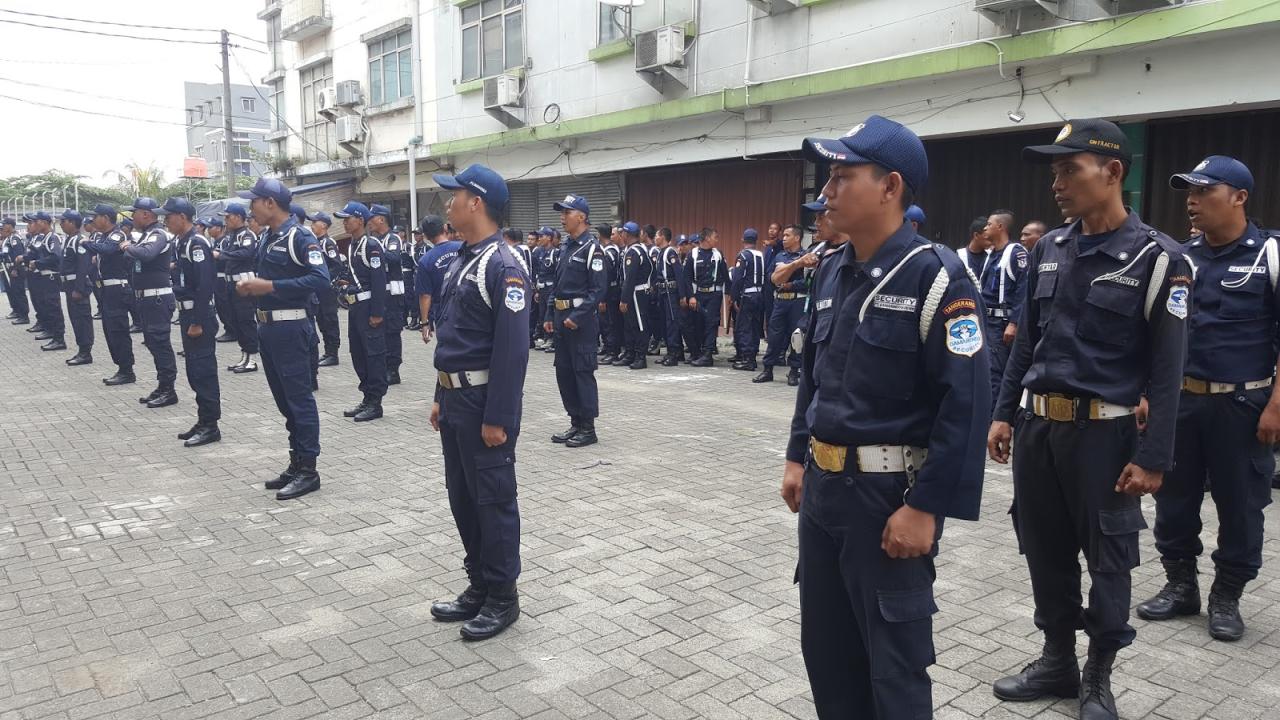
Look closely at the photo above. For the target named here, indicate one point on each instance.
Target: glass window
(277, 105)
(247, 104)
(608, 25)
(274, 46)
(317, 131)
(492, 38)
(390, 68)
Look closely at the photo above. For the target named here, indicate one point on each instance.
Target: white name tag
(1123, 280)
(897, 303)
(1048, 267)
(823, 304)
(1246, 269)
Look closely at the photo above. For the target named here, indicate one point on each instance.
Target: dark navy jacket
(290, 257)
(798, 282)
(365, 258)
(196, 270)
(1095, 327)
(484, 325)
(77, 263)
(332, 258)
(613, 269)
(582, 273)
(750, 272)
(636, 271)
(112, 263)
(668, 270)
(872, 377)
(393, 256)
(1235, 309)
(241, 253)
(151, 256)
(706, 269)
(1003, 280)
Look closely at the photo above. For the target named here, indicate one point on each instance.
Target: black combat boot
(1096, 700)
(1179, 596)
(305, 480)
(285, 477)
(1225, 622)
(371, 411)
(364, 401)
(166, 397)
(765, 376)
(793, 377)
(640, 362)
(123, 376)
(567, 434)
(194, 429)
(466, 606)
(586, 434)
(328, 360)
(1055, 673)
(498, 613)
(703, 360)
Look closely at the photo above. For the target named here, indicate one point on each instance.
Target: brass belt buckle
(830, 458)
(1061, 409)
(445, 381)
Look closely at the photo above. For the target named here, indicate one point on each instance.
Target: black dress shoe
(585, 436)
(120, 378)
(567, 434)
(244, 357)
(194, 429)
(640, 363)
(703, 361)
(164, 399)
(466, 606)
(305, 480)
(21, 321)
(285, 477)
(608, 359)
(44, 335)
(393, 377)
(748, 365)
(372, 411)
(247, 366)
(793, 377)
(356, 410)
(328, 361)
(80, 358)
(1055, 673)
(54, 344)
(149, 398)
(205, 435)
(766, 375)
(737, 357)
(499, 612)
(623, 361)
(1225, 623)
(37, 328)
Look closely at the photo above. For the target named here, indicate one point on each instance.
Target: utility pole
(226, 117)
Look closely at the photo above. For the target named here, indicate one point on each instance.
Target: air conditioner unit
(660, 48)
(327, 102)
(350, 129)
(502, 91)
(348, 93)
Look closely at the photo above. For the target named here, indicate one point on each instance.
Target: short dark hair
(1040, 224)
(513, 235)
(604, 230)
(1006, 217)
(799, 230)
(978, 225)
(664, 232)
(497, 215)
(908, 198)
(707, 231)
(651, 231)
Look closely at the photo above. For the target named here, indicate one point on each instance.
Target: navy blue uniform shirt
(484, 325)
(1235, 309)
(750, 272)
(151, 255)
(77, 263)
(1003, 280)
(706, 269)
(581, 273)
(112, 263)
(195, 271)
(368, 272)
(637, 268)
(797, 283)
(290, 257)
(1108, 323)
(240, 251)
(879, 371)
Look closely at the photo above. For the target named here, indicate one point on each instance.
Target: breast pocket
(822, 326)
(1107, 316)
(1046, 286)
(883, 360)
(1244, 302)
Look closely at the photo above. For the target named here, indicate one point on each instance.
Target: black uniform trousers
(746, 328)
(202, 362)
(481, 483)
(368, 347)
(17, 291)
(576, 364)
(116, 300)
(80, 314)
(243, 311)
(611, 327)
(46, 295)
(286, 350)
(998, 351)
(394, 324)
(639, 324)
(691, 329)
(709, 324)
(669, 305)
(866, 620)
(156, 316)
(224, 304)
(327, 321)
(1217, 439)
(787, 316)
(658, 316)
(1065, 504)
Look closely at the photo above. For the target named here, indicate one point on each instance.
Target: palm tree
(142, 182)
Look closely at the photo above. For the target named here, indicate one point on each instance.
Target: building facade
(206, 132)
(689, 113)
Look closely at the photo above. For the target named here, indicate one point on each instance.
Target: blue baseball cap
(146, 203)
(631, 227)
(878, 140)
(573, 202)
(546, 231)
(214, 221)
(684, 240)
(1215, 170)
(269, 188)
(480, 180)
(1091, 135)
(127, 222)
(40, 215)
(750, 235)
(383, 210)
(915, 214)
(321, 216)
(297, 212)
(8, 221)
(178, 205)
(105, 209)
(71, 215)
(353, 209)
(695, 238)
(819, 205)
(431, 225)
(235, 209)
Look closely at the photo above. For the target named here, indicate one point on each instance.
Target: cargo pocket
(1107, 316)
(495, 476)
(1116, 546)
(903, 643)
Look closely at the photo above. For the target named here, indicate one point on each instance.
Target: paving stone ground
(139, 579)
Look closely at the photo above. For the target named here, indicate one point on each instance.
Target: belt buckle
(446, 381)
(1060, 409)
(1196, 386)
(830, 458)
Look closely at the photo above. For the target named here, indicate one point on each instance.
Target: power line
(89, 112)
(106, 34)
(132, 101)
(95, 63)
(271, 107)
(120, 24)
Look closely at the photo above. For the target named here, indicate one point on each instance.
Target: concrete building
(689, 112)
(206, 134)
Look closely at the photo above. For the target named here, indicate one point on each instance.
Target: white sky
(34, 139)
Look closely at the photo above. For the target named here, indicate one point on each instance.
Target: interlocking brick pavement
(139, 579)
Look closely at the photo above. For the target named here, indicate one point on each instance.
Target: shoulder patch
(1177, 303)
(514, 299)
(956, 306)
(333, 253)
(314, 257)
(964, 335)
(197, 255)
(375, 261)
(80, 249)
(1022, 260)
(597, 264)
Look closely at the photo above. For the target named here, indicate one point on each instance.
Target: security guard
(198, 319)
(11, 247)
(290, 269)
(1002, 292)
(668, 274)
(482, 353)
(887, 435)
(549, 271)
(153, 296)
(977, 254)
(43, 257)
(429, 277)
(706, 272)
(224, 293)
(75, 270)
(241, 256)
(364, 291)
(634, 299)
(654, 241)
(915, 215)
(417, 249)
(611, 321)
(541, 281)
(747, 295)
(1229, 415)
(1104, 324)
(582, 281)
(327, 319)
(394, 258)
(117, 297)
(313, 309)
(790, 297)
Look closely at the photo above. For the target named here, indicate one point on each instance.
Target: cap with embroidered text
(71, 215)
(380, 211)
(178, 205)
(480, 181)
(105, 209)
(269, 188)
(146, 203)
(1091, 135)
(235, 209)
(40, 215)
(878, 140)
(353, 209)
(631, 228)
(1215, 170)
(573, 202)
(320, 216)
(214, 221)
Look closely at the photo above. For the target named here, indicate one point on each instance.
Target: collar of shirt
(284, 228)
(1251, 232)
(470, 251)
(886, 257)
(1126, 240)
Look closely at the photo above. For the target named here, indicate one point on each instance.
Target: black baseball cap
(1092, 135)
